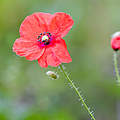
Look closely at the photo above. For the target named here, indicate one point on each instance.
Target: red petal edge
(61, 52)
(60, 24)
(28, 49)
(35, 24)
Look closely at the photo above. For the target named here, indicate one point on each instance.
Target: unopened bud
(52, 74)
(115, 41)
(116, 34)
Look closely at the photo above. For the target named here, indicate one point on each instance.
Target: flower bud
(52, 74)
(115, 42)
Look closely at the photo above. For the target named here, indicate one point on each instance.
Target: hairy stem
(77, 92)
(116, 68)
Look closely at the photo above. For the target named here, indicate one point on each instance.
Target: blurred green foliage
(26, 93)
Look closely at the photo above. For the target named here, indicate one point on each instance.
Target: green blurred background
(26, 93)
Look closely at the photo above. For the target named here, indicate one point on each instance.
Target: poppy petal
(28, 49)
(60, 24)
(48, 58)
(42, 61)
(52, 60)
(34, 24)
(61, 52)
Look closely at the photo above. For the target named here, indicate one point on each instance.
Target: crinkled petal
(49, 58)
(28, 49)
(60, 24)
(61, 52)
(42, 61)
(52, 60)
(35, 24)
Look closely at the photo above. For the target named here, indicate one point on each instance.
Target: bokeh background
(26, 92)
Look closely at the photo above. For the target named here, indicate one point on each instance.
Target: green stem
(116, 68)
(78, 93)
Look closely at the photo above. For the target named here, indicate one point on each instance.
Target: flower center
(44, 38)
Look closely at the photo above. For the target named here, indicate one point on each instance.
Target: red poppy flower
(41, 38)
(115, 42)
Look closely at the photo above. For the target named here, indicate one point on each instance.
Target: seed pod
(52, 74)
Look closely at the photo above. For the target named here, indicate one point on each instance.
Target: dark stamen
(46, 43)
(43, 40)
(39, 37)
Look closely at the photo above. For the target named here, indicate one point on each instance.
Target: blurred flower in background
(115, 42)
